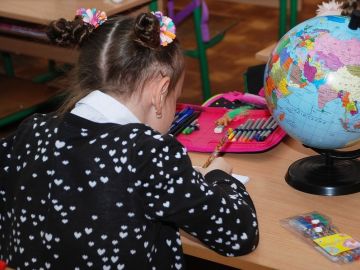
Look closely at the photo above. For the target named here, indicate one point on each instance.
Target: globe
(312, 89)
(312, 82)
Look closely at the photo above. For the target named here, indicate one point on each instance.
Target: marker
(232, 134)
(257, 124)
(240, 130)
(180, 113)
(245, 130)
(250, 131)
(180, 118)
(190, 128)
(268, 132)
(264, 128)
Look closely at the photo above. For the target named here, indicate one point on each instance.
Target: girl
(99, 184)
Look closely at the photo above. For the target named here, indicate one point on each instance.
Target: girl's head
(121, 57)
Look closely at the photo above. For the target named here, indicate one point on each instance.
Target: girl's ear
(159, 95)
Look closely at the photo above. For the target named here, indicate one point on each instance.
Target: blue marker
(181, 117)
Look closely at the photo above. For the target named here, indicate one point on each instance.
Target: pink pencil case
(205, 139)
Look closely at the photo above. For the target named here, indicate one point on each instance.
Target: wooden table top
(45, 11)
(275, 200)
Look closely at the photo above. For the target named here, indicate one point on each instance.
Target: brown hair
(119, 56)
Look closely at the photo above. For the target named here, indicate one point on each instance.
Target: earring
(158, 115)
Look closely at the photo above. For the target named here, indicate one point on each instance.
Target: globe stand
(330, 173)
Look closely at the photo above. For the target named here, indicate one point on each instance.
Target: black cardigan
(76, 194)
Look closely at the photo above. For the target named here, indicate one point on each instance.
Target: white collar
(102, 108)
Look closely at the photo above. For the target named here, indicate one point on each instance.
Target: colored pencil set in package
(319, 231)
(240, 120)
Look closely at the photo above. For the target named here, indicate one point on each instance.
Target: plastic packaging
(318, 230)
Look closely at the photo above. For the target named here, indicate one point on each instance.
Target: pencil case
(234, 99)
(204, 139)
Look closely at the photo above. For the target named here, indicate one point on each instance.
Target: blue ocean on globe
(312, 83)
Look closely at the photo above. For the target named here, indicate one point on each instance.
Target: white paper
(242, 178)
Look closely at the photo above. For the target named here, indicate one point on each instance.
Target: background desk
(275, 200)
(44, 11)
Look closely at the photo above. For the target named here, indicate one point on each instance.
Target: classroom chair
(204, 37)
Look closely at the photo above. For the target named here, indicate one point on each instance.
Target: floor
(256, 28)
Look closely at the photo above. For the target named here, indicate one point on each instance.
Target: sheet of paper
(242, 178)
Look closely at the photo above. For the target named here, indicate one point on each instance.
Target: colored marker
(190, 128)
(181, 117)
(257, 125)
(240, 129)
(250, 131)
(238, 132)
(264, 128)
(268, 132)
(232, 134)
(246, 129)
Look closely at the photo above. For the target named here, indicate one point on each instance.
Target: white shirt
(102, 108)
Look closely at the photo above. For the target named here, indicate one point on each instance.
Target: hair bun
(68, 33)
(147, 30)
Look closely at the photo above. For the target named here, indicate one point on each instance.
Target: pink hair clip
(167, 28)
(92, 16)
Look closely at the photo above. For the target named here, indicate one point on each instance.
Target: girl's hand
(218, 163)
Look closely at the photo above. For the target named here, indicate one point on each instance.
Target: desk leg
(153, 6)
(9, 68)
(53, 72)
(293, 13)
(201, 50)
(282, 17)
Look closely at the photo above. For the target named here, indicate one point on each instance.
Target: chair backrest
(186, 11)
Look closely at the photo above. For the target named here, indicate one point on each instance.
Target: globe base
(321, 176)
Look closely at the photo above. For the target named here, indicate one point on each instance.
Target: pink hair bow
(167, 28)
(92, 16)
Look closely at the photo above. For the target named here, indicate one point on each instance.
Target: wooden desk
(275, 200)
(44, 11)
(264, 54)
